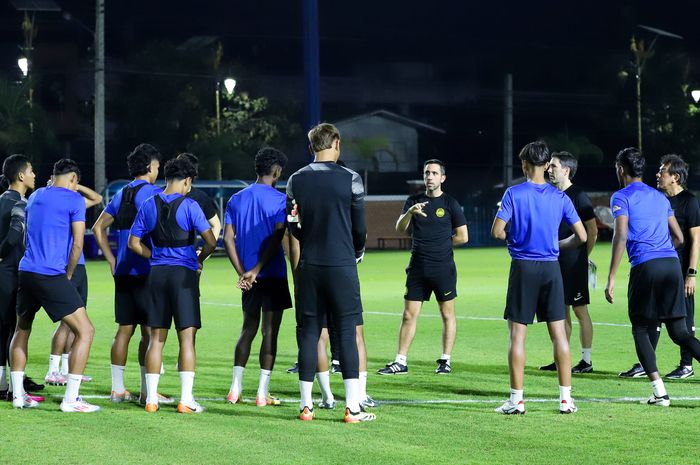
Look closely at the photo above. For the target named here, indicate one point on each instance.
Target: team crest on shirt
(616, 208)
(440, 212)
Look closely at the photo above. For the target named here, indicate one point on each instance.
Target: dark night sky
(564, 55)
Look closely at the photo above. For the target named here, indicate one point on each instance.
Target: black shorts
(8, 296)
(326, 321)
(56, 294)
(131, 299)
(174, 295)
(534, 288)
(268, 295)
(656, 292)
(574, 273)
(422, 281)
(80, 281)
(328, 289)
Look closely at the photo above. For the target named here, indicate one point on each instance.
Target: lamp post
(695, 93)
(641, 55)
(229, 84)
(23, 64)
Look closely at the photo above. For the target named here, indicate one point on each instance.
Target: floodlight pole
(312, 73)
(508, 131)
(100, 168)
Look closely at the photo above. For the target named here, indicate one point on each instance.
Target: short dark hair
(179, 168)
(267, 158)
(435, 161)
(632, 160)
(322, 136)
(65, 166)
(11, 167)
(536, 153)
(140, 158)
(192, 158)
(567, 160)
(676, 167)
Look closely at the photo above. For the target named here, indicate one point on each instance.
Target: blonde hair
(322, 136)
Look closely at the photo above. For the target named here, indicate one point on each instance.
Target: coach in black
(574, 262)
(326, 206)
(436, 224)
(671, 180)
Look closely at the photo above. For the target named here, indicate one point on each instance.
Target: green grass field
(423, 419)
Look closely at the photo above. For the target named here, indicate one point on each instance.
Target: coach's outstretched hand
(610, 290)
(417, 209)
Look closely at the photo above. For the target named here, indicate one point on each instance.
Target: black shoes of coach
(31, 386)
(551, 367)
(294, 369)
(443, 367)
(393, 368)
(582, 367)
(635, 372)
(681, 372)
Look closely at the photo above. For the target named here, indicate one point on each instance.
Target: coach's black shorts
(656, 291)
(80, 281)
(131, 299)
(268, 295)
(328, 289)
(8, 296)
(174, 293)
(56, 294)
(422, 281)
(574, 273)
(534, 288)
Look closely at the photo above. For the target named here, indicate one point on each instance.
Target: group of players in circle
(321, 221)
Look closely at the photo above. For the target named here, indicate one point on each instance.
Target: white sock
(17, 378)
(516, 395)
(72, 388)
(118, 378)
(402, 359)
(658, 387)
(586, 354)
(237, 380)
(305, 388)
(54, 363)
(65, 358)
(152, 380)
(565, 393)
(186, 384)
(445, 357)
(352, 394)
(363, 385)
(143, 379)
(162, 368)
(687, 367)
(324, 383)
(4, 386)
(264, 383)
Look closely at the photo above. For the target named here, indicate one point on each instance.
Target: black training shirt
(205, 202)
(331, 205)
(12, 229)
(432, 235)
(687, 212)
(584, 208)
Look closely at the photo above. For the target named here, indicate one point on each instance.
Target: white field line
(430, 315)
(602, 400)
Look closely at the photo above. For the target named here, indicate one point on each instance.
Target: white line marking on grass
(602, 400)
(459, 317)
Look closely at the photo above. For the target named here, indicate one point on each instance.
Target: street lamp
(23, 64)
(696, 95)
(229, 84)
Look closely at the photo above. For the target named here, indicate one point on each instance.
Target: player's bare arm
(618, 248)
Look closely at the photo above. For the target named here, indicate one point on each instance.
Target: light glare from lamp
(696, 95)
(229, 84)
(23, 64)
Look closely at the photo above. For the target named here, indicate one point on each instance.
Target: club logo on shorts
(440, 212)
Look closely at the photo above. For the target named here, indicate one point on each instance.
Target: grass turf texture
(465, 431)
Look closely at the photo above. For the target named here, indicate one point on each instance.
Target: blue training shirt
(254, 212)
(647, 211)
(535, 212)
(50, 212)
(189, 216)
(128, 262)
